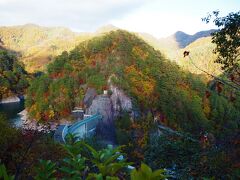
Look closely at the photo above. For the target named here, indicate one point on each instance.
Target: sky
(159, 18)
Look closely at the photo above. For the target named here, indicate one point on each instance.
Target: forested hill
(13, 78)
(201, 53)
(182, 39)
(199, 45)
(141, 72)
(38, 45)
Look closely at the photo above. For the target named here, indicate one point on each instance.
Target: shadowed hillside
(13, 78)
(184, 39)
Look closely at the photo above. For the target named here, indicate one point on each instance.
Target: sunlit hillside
(201, 55)
(37, 45)
(199, 46)
(137, 68)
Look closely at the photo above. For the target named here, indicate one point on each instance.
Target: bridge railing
(64, 133)
(92, 121)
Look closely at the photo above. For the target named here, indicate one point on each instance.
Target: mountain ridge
(181, 39)
(138, 69)
(38, 45)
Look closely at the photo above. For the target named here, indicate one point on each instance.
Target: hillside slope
(37, 45)
(181, 39)
(138, 69)
(13, 78)
(171, 46)
(201, 51)
(201, 54)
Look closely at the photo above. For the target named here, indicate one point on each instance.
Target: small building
(105, 92)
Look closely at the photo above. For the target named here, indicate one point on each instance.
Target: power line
(186, 53)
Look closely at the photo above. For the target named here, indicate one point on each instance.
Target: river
(11, 110)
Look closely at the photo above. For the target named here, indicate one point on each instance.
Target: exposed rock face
(120, 101)
(29, 124)
(108, 106)
(12, 99)
(102, 104)
(89, 96)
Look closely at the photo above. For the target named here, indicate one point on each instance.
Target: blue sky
(157, 17)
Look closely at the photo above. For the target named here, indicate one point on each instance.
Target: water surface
(11, 110)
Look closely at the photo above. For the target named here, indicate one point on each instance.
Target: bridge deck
(89, 125)
(77, 124)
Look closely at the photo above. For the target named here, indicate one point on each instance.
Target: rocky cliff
(102, 104)
(120, 101)
(107, 105)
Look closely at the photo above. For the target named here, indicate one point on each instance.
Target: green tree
(46, 170)
(3, 173)
(7, 135)
(227, 39)
(172, 152)
(145, 172)
(84, 162)
(13, 77)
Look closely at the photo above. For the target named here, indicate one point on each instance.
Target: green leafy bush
(84, 162)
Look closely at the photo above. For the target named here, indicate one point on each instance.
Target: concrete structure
(81, 128)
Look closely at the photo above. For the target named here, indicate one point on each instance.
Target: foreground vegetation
(20, 153)
(183, 155)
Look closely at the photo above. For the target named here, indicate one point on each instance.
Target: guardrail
(82, 127)
(77, 124)
(64, 133)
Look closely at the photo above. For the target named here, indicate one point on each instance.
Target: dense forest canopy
(38, 45)
(227, 40)
(13, 78)
(141, 72)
